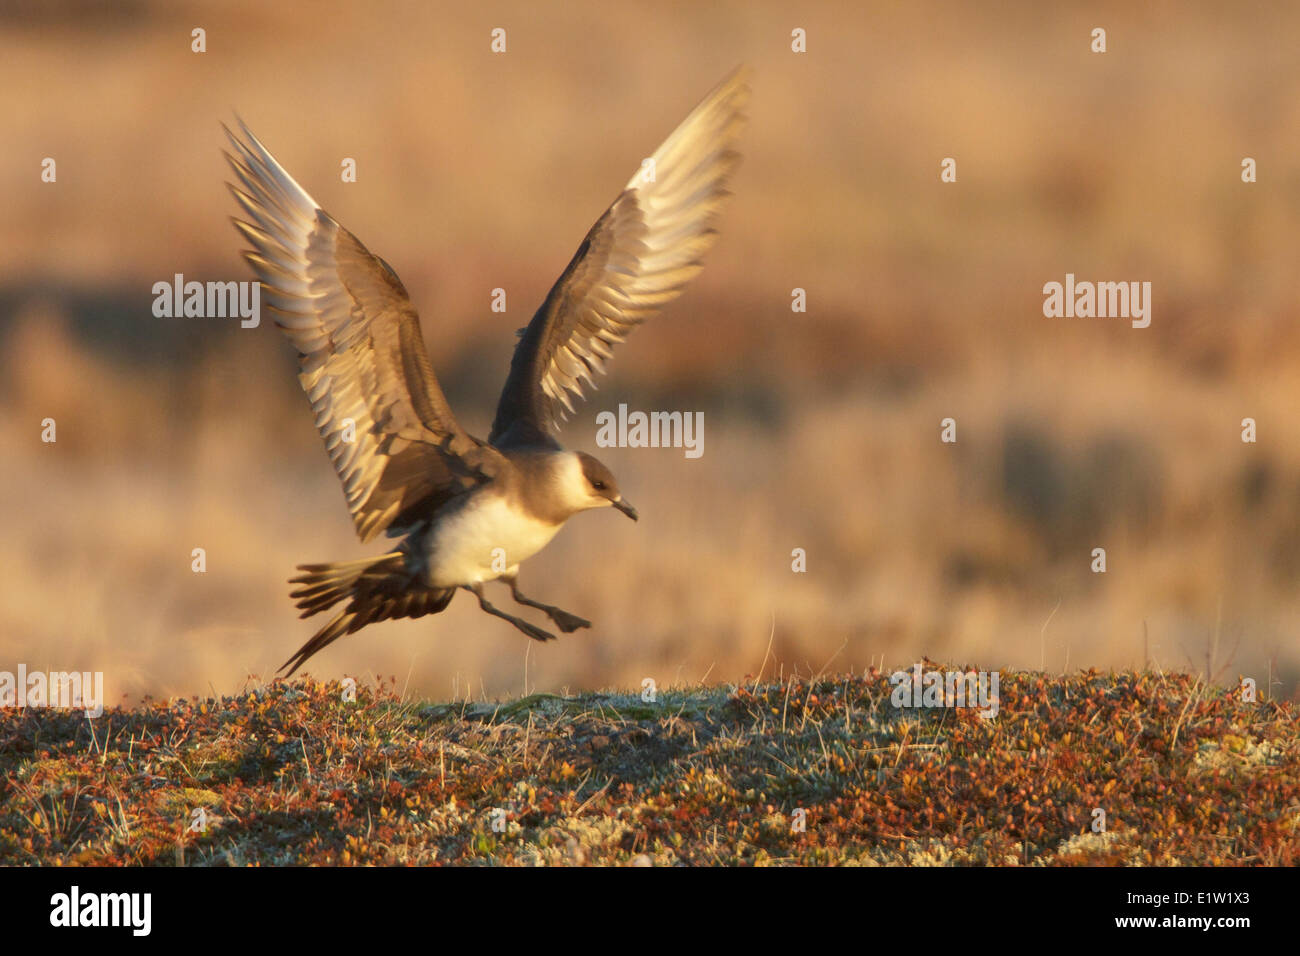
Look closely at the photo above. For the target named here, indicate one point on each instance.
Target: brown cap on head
(602, 483)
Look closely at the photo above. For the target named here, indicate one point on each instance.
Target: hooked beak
(626, 508)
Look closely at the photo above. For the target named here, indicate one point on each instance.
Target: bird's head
(597, 487)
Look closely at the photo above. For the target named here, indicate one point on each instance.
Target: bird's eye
(598, 484)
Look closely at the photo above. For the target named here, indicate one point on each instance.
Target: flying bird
(468, 511)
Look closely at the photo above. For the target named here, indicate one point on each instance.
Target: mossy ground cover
(296, 773)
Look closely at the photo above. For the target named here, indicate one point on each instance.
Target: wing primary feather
(390, 435)
(639, 256)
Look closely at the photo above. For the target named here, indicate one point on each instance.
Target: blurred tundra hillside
(822, 429)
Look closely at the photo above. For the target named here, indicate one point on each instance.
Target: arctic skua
(468, 511)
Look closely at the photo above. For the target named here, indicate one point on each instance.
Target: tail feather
(331, 632)
(324, 585)
(376, 589)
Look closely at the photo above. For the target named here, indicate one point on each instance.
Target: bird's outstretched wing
(638, 256)
(393, 440)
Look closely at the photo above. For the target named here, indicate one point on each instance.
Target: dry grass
(297, 774)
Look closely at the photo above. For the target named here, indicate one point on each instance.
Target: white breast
(482, 540)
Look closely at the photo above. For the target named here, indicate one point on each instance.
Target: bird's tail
(376, 589)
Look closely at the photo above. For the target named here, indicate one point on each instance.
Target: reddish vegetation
(294, 773)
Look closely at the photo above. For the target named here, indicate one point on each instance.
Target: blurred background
(822, 429)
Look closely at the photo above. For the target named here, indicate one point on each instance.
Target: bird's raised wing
(638, 256)
(392, 437)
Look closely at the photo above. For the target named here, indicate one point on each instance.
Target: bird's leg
(563, 619)
(536, 633)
